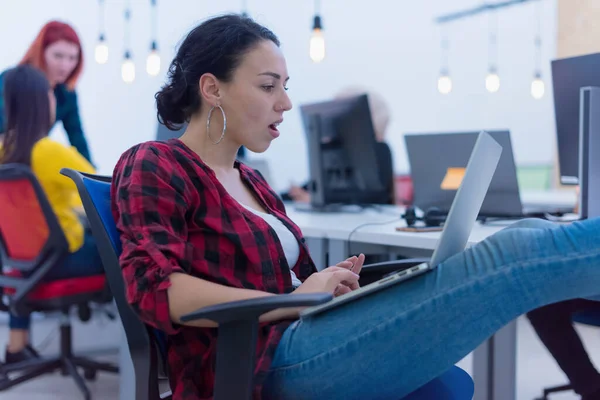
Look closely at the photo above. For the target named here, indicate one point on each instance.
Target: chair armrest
(392, 266)
(245, 310)
(22, 286)
(238, 333)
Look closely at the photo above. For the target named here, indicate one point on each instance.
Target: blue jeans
(84, 262)
(388, 344)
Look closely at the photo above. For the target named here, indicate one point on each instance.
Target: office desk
(373, 228)
(376, 225)
(332, 237)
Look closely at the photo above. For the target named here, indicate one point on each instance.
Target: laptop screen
(437, 172)
(469, 198)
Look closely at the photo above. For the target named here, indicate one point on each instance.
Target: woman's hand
(337, 280)
(299, 195)
(354, 264)
(328, 281)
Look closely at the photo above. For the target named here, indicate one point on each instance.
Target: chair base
(555, 389)
(67, 365)
(66, 362)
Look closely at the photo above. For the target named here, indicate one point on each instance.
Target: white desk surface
(340, 226)
(383, 221)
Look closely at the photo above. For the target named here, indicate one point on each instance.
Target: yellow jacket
(47, 159)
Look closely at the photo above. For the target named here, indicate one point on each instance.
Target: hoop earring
(208, 124)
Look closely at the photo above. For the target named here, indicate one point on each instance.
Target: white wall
(391, 46)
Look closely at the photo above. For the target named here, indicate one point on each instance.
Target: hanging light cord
(127, 27)
(444, 56)
(538, 38)
(101, 18)
(493, 45)
(154, 24)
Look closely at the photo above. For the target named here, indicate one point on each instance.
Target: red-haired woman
(57, 52)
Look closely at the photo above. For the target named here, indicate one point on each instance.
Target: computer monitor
(342, 155)
(569, 75)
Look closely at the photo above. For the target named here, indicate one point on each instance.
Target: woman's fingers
(358, 263)
(346, 278)
(341, 289)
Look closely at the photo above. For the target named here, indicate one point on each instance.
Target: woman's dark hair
(216, 46)
(27, 108)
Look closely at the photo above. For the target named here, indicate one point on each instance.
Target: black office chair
(591, 318)
(238, 321)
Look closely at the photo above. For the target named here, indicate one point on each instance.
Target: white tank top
(288, 241)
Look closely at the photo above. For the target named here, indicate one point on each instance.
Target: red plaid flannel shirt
(174, 216)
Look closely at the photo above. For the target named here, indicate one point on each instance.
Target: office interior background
(396, 48)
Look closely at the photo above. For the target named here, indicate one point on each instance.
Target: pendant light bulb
(492, 81)
(538, 88)
(128, 69)
(444, 83)
(153, 61)
(317, 41)
(101, 51)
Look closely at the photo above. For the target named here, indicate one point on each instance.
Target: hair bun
(171, 105)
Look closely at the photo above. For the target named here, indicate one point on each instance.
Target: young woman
(199, 228)
(57, 52)
(29, 109)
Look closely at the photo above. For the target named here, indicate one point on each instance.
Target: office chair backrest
(29, 229)
(95, 195)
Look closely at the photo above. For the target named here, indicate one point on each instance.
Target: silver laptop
(431, 162)
(457, 228)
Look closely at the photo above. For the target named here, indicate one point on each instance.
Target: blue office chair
(591, 318)
(238, 321)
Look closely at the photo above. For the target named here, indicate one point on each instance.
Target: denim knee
(16, 322)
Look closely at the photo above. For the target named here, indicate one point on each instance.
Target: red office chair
(31, 243)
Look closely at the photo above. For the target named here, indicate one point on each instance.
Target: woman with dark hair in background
(199, 228)
(29, 109)
(56, 51)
